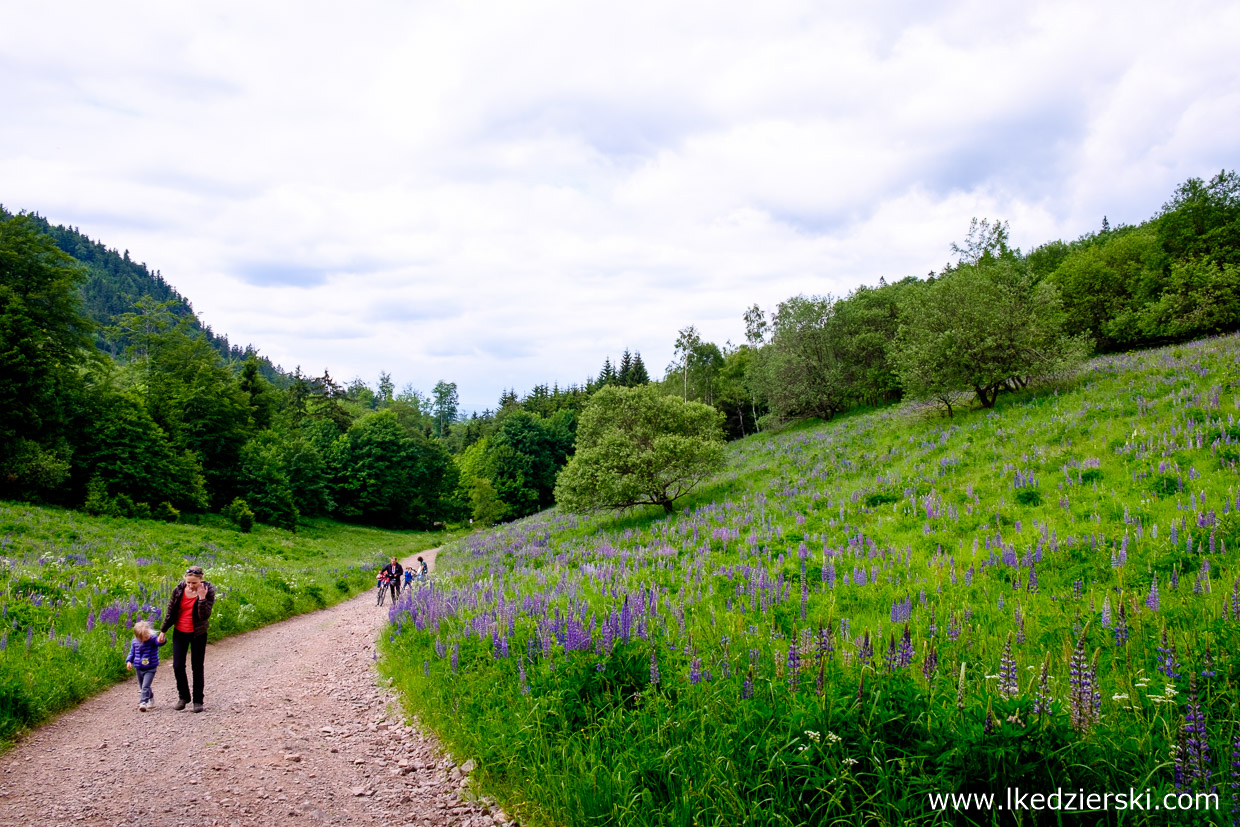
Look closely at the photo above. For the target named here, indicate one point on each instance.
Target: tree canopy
(637, 446)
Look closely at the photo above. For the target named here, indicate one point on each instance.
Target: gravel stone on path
(297, 730)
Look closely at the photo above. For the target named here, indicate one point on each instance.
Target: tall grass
(855, 616)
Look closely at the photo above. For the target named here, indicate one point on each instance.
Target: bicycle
(382, 589)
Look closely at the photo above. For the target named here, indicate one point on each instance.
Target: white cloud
(503, 194)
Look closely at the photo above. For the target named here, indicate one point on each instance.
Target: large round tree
(636, 446)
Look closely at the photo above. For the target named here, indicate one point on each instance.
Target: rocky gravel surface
(297, 730)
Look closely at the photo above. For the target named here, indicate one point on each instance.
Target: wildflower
(747, 686)
(1083, 705)
(905, 655)
(865, 651)
(1151, 600)
(794, 665)
(1106, 612)
(1121, 626)
(960, 689)
(1167, 662)
(1007, 671)
(1192, 759)
(695, 669)
(654, 667)
(1207, 663)
(931, 664)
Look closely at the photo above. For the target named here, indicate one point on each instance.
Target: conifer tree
(607, 376)
(638, 374)
(625, 374)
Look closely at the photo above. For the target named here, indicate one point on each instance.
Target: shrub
(239, 514)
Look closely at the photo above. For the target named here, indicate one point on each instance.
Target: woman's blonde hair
(143, 630)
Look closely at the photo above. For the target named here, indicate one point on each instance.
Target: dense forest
(116, 399)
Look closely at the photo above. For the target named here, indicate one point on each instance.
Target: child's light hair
(143, 630)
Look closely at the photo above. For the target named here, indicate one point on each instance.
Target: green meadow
(861, 615)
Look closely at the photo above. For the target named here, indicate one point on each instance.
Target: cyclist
(382, 583)
(394, 571)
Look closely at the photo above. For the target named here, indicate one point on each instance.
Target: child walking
(144, 659)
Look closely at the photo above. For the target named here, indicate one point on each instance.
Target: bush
(239, 514)
(1029, 496)
(164, 511)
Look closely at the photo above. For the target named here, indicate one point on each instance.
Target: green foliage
(635, 447)
(487, 508)
(239, 514)
(803, 370)
(43, 340)
(985, 328)
(389, 476)
(1029, 496)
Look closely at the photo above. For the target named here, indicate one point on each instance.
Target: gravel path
(296, 731)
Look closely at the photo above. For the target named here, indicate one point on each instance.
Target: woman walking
(189, 611)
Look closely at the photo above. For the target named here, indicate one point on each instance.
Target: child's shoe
(143, 706)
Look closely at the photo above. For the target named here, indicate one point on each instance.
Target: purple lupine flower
(695, 669)
(889, 659)
(747, 686)
(1106, 612)
(931, 664)
(654, 667)
(1151, 600)
(953, 627)
(794, 664)
(1042, 701)
(1032, 588)
(456, 656)
(1007, 671)
(1082, 702)
(1192, 759)
(1167, 661)
(1121, 625)
(1020, 625)
(905, 656)
(865, 651)
(1207, 663)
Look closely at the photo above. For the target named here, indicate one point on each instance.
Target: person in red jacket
(189, 613)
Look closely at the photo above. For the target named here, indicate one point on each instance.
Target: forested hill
(113, 285)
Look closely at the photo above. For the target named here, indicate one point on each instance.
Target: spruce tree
(607, 376)
(638, 374)
(625, 375)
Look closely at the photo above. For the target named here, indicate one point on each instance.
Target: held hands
(162, 639)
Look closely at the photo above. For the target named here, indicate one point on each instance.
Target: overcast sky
(502, 194)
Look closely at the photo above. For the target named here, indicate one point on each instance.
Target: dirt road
(296, 731)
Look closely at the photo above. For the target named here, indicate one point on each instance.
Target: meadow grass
(71, 587)
(856, 615)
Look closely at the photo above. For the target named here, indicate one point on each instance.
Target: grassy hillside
(71, 587)
(859, 615)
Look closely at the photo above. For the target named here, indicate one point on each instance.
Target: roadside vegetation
(72, 585)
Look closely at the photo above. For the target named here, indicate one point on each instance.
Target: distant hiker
(143, 659)
(394, 570)
(423, 571)
(189, 611)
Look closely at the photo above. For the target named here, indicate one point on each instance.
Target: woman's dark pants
(197, 646)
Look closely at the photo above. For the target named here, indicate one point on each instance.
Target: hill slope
(859, 615)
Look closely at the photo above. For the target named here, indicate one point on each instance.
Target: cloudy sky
(501, 194)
